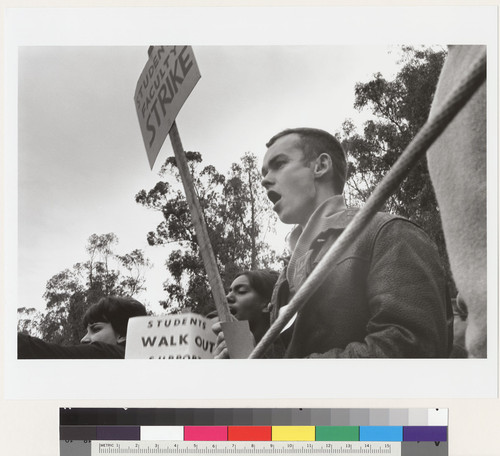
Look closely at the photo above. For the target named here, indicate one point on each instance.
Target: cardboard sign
(239, 339)
(164, 85)
(181, 336)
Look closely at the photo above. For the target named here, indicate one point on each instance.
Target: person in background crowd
(385, 297)
(248, 299)
(106, 325)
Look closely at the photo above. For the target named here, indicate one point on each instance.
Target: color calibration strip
(258, 433)
(407, 432)
(252, 417)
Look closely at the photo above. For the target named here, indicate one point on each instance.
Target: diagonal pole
(200, 227)
(199, 224)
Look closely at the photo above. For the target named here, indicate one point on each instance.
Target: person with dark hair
(248, 299)
(386, 296)
(106, 325)
(107, 320)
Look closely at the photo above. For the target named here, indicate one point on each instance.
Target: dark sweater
(33, 348)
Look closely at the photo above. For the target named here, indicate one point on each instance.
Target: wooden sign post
(164, 85)
(200, 227)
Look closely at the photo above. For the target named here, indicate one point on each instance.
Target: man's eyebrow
(272, 162)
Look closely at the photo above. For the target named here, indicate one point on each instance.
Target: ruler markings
(277, 448)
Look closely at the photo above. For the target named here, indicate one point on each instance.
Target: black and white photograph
(271, 201)
(93, 214)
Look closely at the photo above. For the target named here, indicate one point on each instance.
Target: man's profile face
(289, 180)
(100, 332)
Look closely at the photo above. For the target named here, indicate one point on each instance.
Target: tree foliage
(399, 107)
(71, 292)
(237, 214)
(28, 319)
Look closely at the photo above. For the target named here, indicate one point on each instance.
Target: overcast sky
(82, 158)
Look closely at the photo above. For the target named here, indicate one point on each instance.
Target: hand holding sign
(220, 351)
(234, 340)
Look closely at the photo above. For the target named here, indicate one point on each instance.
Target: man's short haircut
(115, 310)
(315, 142)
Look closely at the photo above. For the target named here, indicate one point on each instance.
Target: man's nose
(266, 181)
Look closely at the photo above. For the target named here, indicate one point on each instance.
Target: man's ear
(121, 339)
(322, 165)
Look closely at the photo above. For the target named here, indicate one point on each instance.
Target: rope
(431, 130)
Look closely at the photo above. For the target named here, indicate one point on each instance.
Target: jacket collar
(332, 214)
(329, 215)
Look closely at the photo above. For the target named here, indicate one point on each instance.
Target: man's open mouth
(273, 196)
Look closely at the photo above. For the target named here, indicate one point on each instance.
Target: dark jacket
(385, 297)
(33, 348)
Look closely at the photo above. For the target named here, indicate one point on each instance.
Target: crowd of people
(385, 297)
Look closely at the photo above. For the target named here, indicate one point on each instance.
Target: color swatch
(364, 425)
(405, 427)
(252, 417)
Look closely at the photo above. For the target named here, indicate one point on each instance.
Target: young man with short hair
(106, 323)
(387, 294)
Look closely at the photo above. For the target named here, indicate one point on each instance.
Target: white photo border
(263, 379)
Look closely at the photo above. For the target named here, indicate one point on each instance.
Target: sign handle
(200, 227)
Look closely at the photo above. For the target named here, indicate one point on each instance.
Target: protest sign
(158, 98)
(164, 85)
(180, 336)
